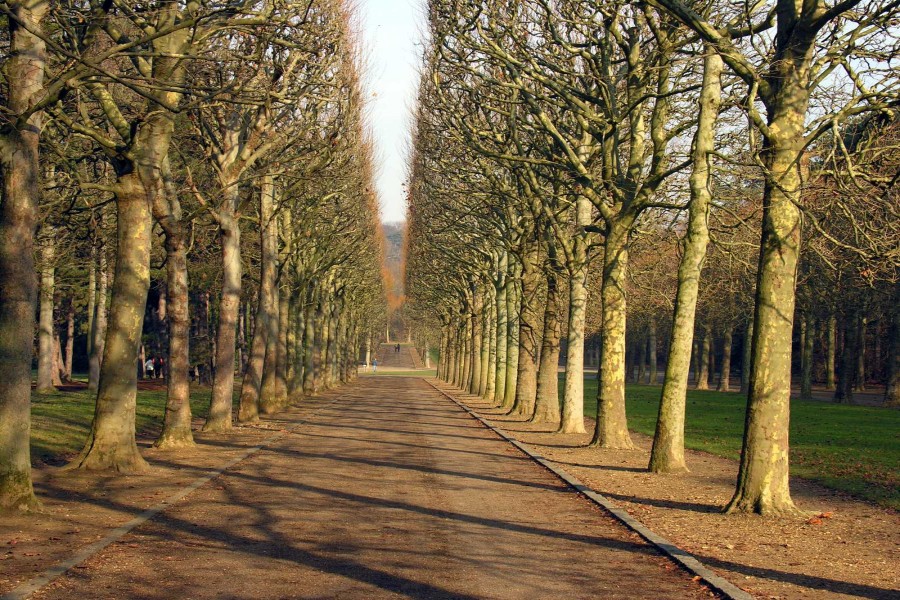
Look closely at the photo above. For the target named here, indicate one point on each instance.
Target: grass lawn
(850, 448)
(61, 420)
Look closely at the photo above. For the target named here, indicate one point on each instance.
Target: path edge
(38, 582)
(682, 557)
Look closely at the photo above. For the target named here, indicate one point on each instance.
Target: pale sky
(392, 48)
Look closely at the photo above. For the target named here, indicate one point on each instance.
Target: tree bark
(20, 189)
(847, 366)
(705, 349)
(174, 313)
(45, 324)
(746, 358)
(529, 335)
(176, 432)
(111, 443)
(513, 311)
(220, 407)
(502, 329)
(762, 485)
(546, 406)
(653, 354)
(806, 356)
(861, 324)
(667, 454)
(98, 329)
(892, 390)
(725, 378)
(831, 352)
(612, 423)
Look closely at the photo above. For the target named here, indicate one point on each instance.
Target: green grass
(61, 420)
(854, 449)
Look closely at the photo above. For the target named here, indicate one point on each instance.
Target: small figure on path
(374, 364)
(148, 367)
(397, 348)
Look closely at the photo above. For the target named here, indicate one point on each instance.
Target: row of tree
(573, 149)
(195, 123)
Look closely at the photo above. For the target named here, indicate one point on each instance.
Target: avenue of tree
(657, 182)
(185, 181)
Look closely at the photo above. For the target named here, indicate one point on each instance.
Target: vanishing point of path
(392, 491)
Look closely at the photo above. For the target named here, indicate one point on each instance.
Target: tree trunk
(831, 352)
(705, 349)
(653, 355)
(667, 454)
(220, 407)
(725, 378)
(847, 366)
(20, 181)
(491, 332)
(70, 340)
(58, 367)
(477, 334)
(263, 394)
(861, 351)
(45, 324)
(502, 330)
(111, 443)
(612, 424)
(641, 359)
(892, 390)
(174, 313)
(513, 311)
(98, 330)
(309, 345)
(806, 356)
(746, 358)
(572, 418)
(176, 432)
(546, 406)
(762, 485)
(529, 335)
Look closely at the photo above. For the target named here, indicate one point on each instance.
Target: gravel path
(392, 491)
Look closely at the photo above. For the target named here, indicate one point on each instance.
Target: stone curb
(684, 558)
(36, 583)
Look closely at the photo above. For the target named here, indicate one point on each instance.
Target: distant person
(148, 367)
(374, 364)
(397, 348)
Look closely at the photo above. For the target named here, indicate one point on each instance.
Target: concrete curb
(683, 558)
(36, 583)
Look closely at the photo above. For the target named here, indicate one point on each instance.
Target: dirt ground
(386, 490)
(847, 549)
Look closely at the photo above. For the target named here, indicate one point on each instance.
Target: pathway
(392, 491)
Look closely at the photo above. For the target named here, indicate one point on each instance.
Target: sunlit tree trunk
(572, 418)
(546, 406)
(667, 454)
(513, 311)
(111, 443)
(502, 330)
(529, 335)
(176, 432)
(612, 424)
(20, 181)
